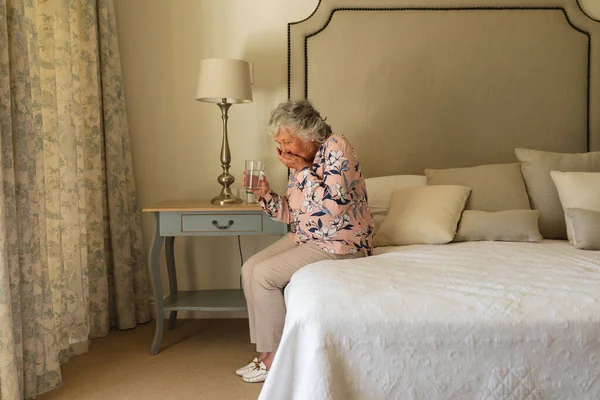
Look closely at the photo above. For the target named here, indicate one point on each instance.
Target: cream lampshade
(225, 82)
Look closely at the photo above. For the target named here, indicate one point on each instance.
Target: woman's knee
(247, 270)
(248, 267)
(267, 275)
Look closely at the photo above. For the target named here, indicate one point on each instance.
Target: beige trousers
(265, 275)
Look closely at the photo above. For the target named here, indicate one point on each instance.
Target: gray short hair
(301, 117)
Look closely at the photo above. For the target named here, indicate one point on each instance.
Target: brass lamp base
(221, 200)
(226, 196)
(225, 179)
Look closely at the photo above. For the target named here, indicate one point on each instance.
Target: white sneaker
(257, 374)
(248, 367)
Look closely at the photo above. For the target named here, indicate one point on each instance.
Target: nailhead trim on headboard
(524, 8)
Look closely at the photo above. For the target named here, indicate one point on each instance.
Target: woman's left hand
(292, 161)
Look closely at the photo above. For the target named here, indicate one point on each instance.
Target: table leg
(170, 253)
(157, 242)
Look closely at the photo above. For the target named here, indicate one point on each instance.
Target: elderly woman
(326, 205)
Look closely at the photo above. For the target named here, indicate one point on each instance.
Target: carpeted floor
(197, 362)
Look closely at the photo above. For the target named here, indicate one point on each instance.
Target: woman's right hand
(263, 186)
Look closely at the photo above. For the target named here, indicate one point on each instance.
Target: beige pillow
(577, 190)
(423, 215)
(495, 187)
(536, 166)
(380, 190)
(586, 228)
(507, 226)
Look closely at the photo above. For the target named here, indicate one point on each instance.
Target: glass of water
(255, 170)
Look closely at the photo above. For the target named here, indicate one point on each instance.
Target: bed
(447, 84)
(420, 322)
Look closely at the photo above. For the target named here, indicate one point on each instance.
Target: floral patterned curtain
(71, 252)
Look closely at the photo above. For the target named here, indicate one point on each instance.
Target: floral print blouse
(326, 204)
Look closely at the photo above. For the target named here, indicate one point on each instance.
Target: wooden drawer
(221, 223)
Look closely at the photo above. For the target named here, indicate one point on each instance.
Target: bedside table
(200, 218)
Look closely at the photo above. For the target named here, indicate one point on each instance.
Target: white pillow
(423, 215)
(586, 228)
(577, 190)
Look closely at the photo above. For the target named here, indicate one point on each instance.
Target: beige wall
(176, 140)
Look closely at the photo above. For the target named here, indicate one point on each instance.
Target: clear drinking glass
(255, 169)
(242, 193)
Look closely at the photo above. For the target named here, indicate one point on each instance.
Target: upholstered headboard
(449, 83)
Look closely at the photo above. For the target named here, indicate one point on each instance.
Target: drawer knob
(216, 224)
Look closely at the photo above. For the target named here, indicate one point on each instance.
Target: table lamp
(225, 82)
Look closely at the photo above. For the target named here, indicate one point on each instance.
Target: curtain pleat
(71, 251)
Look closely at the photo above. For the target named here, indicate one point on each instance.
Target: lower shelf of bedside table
(206, 300)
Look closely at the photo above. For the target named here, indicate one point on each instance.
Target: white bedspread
(485, 320)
